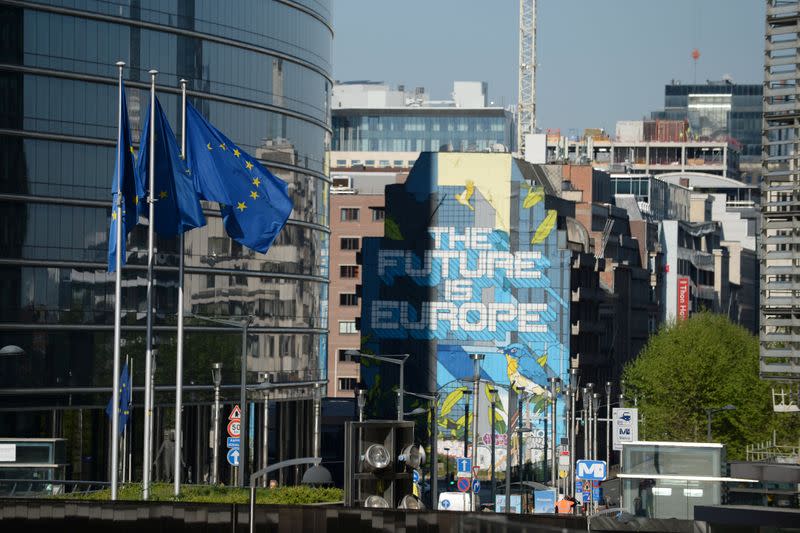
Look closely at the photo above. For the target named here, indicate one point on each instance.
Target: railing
(28, 488)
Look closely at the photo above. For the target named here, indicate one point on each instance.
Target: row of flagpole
(255, 206)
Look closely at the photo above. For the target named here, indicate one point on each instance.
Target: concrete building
(780, 208)
(357, 211)
(58, 92)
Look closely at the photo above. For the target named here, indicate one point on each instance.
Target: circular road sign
(476, 486)
(234, 428)
(463, 484)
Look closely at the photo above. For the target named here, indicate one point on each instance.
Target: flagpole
(124, 443)
(129, 423)
(179, 357)
(117, 302)
(148, 388)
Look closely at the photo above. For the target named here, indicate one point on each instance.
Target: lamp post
(596, 407)
(554, 382)
(433, 399)
(476, 376)
(467, 393)
(710, 415)
(216, 377)
(447, 463)
(361, 400)
(608, 424)
(244, 324)
(395, 359)
(587, 413)
(494, 396)
(574, 378)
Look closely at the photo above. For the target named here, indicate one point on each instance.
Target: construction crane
(526, 98)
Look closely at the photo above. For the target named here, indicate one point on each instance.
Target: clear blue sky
(598, 61)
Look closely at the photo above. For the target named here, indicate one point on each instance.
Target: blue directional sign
(233, 442)
(233, 457)
(445, 504)
(464, 464)
(590, 470)
(463, 484)
(415, 476)
(476, 486)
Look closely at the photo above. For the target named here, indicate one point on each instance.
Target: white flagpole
(124, 442)
(117, 303)
(148, 389)
(129, 459)
(179, 355)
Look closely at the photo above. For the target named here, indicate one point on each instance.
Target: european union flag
(131, 187)
(254, 203)
(124, 399)
(177, 207)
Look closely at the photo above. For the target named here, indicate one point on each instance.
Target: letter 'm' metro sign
(590, 470)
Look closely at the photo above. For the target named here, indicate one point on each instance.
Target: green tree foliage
(704, 362)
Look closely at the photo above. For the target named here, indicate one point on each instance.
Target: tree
(703, 362)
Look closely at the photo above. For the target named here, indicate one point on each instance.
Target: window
(347, 383)
(369, 163)
(348, 271)
(347, 327)
(378, 214)
(398, 163)
(341, 354)
(341, 162)
(348, 299)
(349, 243)
(349, 214)
(384, 163)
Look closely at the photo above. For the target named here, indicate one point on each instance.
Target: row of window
(381, 163)
(353, 214)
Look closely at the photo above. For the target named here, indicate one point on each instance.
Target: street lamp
(476, 376)
(433, 400)
(12, 350)
(467, 393)
(554, 384)
(495, 397)
(216, 377)
(710, 414)
(395, 359)
(361, 400)
(244, 324)
(608, 424)
(574, 379)
(596, 407)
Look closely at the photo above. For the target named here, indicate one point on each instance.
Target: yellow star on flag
(223, 146)
(248, 164)
(209, 147)
(136, 200)
(162, 194)
(236, 152)
(131, 147)
(256, 182)
(241, 206)
(113, 215)
(188, 171)
(253, 195)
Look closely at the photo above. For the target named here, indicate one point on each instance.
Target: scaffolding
(770, 451)
(526, 106)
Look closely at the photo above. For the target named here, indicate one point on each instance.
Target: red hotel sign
(683, 298)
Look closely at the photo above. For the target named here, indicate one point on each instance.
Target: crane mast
(526, 98)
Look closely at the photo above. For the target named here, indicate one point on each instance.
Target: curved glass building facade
(257, 69)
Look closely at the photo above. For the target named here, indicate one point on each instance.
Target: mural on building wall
(470, 264)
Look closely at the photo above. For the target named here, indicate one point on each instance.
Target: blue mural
(469, 263)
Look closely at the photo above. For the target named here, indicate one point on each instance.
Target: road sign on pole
(626, 426)
(234, 428)
(464, 466)
(236, 413)
(476, 486)
(463, 484)
(591, 470)
(233, 457)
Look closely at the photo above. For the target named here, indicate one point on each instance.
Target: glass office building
(260, 71)
(418, 129)
(718, 111)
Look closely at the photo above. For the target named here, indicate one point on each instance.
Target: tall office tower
(780, 231)
(261, 72)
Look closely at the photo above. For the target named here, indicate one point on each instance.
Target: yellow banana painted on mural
(545, 227)
(534, 196)
(465, 196)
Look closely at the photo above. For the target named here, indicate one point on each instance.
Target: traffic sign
(463, 484)
(476, 486)
(475, 470)
(415, 476)
(233, 457)
(464, 466)
(415, 489)
(562, 474)
(445, 504)
(591, 470)
(234, 428)
(236, 413)
(563, 459)
(233, 442)
(626, 426)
